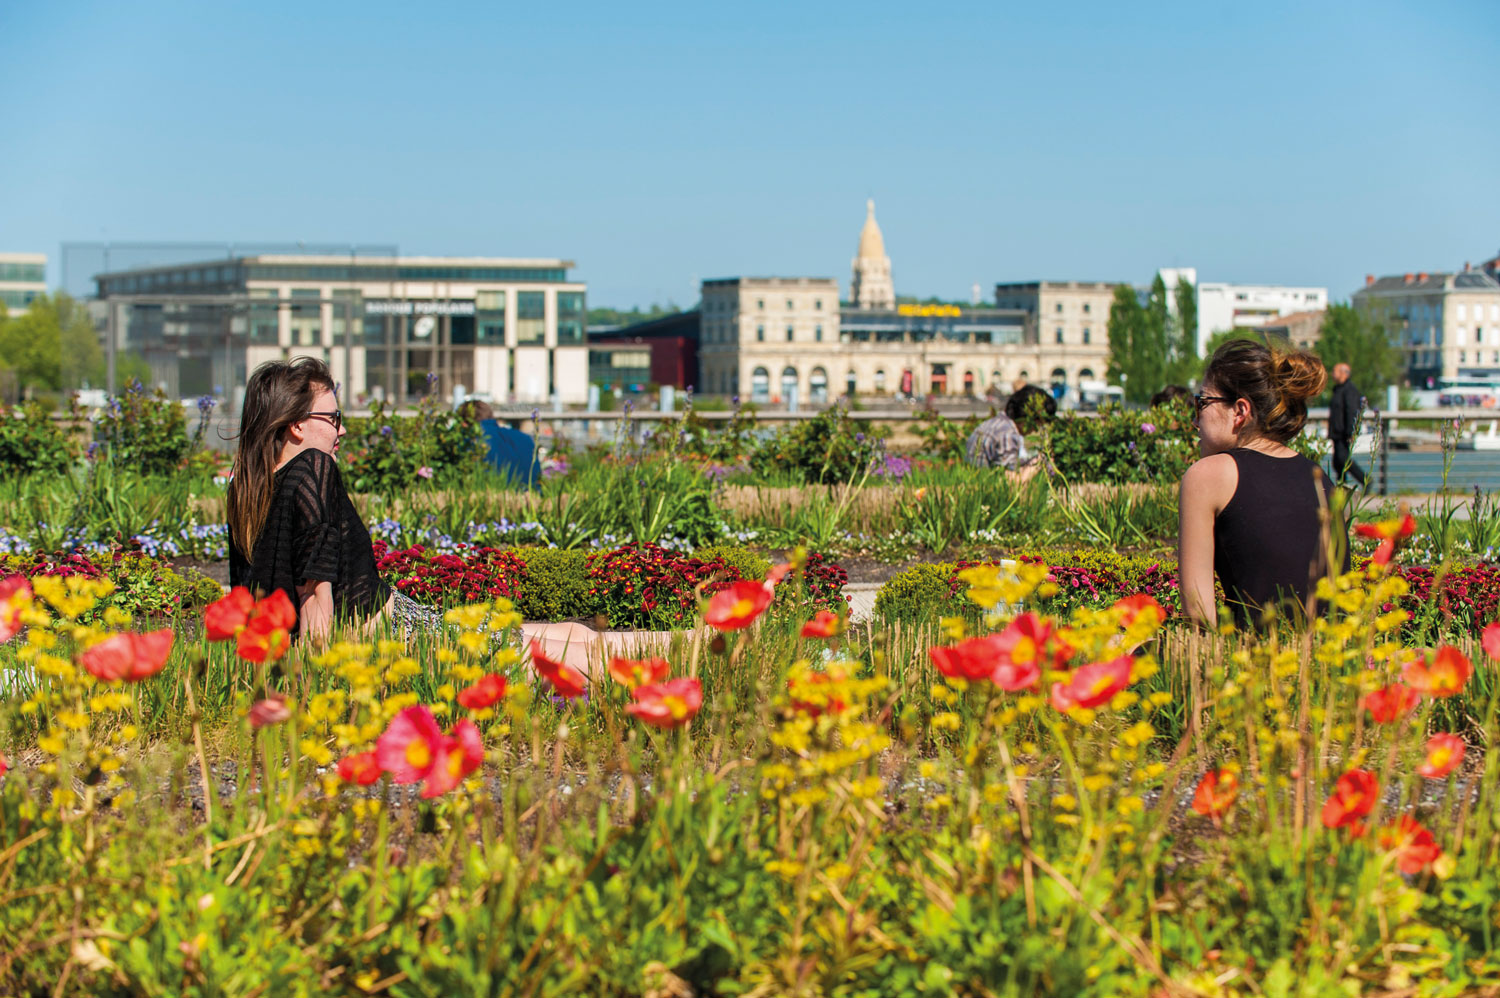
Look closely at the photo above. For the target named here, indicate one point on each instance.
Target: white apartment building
(23, 276)
(1222, 307)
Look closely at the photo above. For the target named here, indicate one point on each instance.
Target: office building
(23, 276)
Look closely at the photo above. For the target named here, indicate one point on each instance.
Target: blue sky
(660, 144)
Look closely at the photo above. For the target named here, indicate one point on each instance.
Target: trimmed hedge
(555, 584)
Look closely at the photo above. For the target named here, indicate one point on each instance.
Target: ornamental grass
(997, 801)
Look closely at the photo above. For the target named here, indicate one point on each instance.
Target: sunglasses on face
(1201, 402)
(336, 417)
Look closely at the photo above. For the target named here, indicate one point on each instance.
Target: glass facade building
(397, 329)
(23, 278)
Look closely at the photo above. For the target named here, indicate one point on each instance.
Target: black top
(1343, 411)
(312, 532)
(1268, 544)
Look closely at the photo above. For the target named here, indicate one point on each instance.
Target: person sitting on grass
(1251, 510)
(292, 525)
(998, 442)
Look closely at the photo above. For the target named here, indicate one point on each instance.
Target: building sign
(377, 306)
(945, 311)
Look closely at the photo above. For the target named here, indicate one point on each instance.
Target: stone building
(1448, 325)
(871, 285)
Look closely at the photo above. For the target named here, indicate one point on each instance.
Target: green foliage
(1135, 361)
(53, 345)
(916, 594)
(604, 316)
(830, 447)
(1116, 446)
(749, 564)
(1364, 343)
(144, 431)
(943, 438)
(555, 586)
(31, 442)
(387, 454)
(1188, 365)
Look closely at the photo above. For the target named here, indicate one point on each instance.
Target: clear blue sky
(658, 144)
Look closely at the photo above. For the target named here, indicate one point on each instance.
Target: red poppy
(1389, 533)
(1444, 753)
(484, 693)
(361, 768)
(410, 744)
(1134, 607)
(776, 574)
(1414, 846)
(825, 624)
(972, 659)
(1092, 685)
(223, 619)
(1490, 640)
(1216, 792)
(630, 673)
(15, 596)
(1353, 797)
(667, 705)
(271, 710)
(266, 635)
(737, 607)
(4, 764)
(1391, 703)
(1449, 671)
(128, 657)
(568, 681)
(458, 755)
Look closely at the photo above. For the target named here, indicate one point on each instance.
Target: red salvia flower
(128, 657)
(667, 705)
(1353, 797)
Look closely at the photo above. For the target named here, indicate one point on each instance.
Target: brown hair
(278, 394)
(476, 410)
(1276, 382)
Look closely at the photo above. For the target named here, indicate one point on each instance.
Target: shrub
(144, 586)
(554, 585)
(472, 575)
(385, 453)
(1462, 599)
(830, 447)
(144, 431)
(915, 594)
(31, 442)
(749, 564)
(1124, 446)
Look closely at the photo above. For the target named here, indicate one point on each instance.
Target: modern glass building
(394, 328)
(23, 276)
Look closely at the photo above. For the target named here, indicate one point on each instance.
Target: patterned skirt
(414, 618)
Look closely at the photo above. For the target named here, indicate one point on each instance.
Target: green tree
(1186, 364)
(53, 345)
(1136, 358)
(1354, 339)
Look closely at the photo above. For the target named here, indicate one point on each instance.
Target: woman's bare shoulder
(1214, 474)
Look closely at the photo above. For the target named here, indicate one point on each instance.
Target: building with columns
(871, 285)
(396, 328)
(1071, 319)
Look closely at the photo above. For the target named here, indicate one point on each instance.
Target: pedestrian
(1252, 511)
(1343, 418)
(998, 442)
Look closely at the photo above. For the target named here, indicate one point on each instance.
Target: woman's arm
(1206, 490)
(315, 605)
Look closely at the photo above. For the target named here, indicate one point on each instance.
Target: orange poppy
(1490, 640)
(1216, 793)
(1444, 753)
(271, 710)
(484, 693)
(1391, 703)
(1390, 533)
(1414, 846)
(360, 768)
(631, 672)
(1353, 797)
(15, 596)
(223, 618)
(737, 607)
(825, 624)
(1135, 606)
(1449, 671)
(568, 681)
(667, 705)
(128, 657)
(1092, 685)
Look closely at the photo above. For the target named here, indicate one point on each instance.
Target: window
(789, 305)
(788, 382)
(817, 384)
(1085, 334)
(760, 303)
(1495, 313)
(570, 317)
(760, 334)
(789, 334)
(1059, 377)
(880, 380)
(1087, 308)
(1463, 334)
(851, 384)
(1462, 313)
(818, 304)
(1086, 374)
(760, 384)
(489, 314)
(307, 318)
(1057, 307)
(1059, 334)
(531, 318)
(818, 333)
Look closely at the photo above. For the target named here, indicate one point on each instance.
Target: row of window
(230, 274)
(1462, 336)
(18, 299)
(1087, 308)
(1463, 357)
(1461, 310)
(1087, 335)
(817, 381)
(35, 272)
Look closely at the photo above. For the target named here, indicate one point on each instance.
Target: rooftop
(1468, 280)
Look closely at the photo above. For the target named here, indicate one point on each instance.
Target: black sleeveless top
(312, 532)
(1268, 544)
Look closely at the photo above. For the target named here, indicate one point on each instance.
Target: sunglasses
(336, 417)
(1201, 402)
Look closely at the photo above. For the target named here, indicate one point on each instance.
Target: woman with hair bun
(1252, 510)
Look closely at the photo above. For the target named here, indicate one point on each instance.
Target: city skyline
(1274, 146)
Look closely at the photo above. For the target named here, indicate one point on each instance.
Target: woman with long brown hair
(292, 525)
(1253, 511)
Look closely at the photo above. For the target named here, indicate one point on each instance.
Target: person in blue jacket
(511, 452)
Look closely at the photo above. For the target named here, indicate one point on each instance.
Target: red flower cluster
(643, 585)
(261, 629)
(475, 575)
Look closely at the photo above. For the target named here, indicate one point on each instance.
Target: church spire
(871, 285)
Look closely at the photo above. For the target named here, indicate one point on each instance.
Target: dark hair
(1170, 394)
(1028, 402)
(1277, 383)
(476, 410)
(278, 394)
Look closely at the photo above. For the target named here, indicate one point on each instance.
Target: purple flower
(1148, 427)
(385, 431)
(424, 472)
(1132, 445)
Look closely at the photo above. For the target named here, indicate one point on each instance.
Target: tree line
(53, 348)
(1154, 344)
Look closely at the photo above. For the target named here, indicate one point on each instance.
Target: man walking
(1343, 417)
